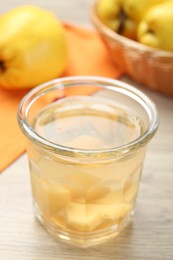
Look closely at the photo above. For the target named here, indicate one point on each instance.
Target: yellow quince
(32, 47)
(156, 29)
(123, 16)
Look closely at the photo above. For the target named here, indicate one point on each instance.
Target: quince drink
(95, 192)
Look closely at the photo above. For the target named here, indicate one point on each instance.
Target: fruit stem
(122, 18)
(2, 66)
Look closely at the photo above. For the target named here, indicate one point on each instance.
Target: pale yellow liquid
(86, 195)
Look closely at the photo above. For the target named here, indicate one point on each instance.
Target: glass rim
(107, 83)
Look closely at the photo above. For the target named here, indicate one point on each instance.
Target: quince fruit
(32, 47)
(156, 30)
(123, 16)
(111, 13)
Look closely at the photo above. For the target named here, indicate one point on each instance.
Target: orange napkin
(87, 56)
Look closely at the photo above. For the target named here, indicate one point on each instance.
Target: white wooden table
(150, 236)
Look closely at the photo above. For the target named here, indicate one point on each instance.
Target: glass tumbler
(86, 141)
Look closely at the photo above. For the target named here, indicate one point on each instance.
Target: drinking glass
(86, 140)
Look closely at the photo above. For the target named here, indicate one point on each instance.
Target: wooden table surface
(150, 236)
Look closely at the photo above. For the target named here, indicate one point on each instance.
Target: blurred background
(63, 10)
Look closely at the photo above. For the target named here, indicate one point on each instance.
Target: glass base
(82, 239)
